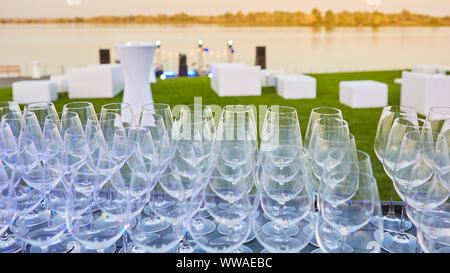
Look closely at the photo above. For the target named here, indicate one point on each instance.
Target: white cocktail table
(136, 59)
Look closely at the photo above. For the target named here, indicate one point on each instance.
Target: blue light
(232, 51)
(206, 49)
(191, 73)
(170, 74)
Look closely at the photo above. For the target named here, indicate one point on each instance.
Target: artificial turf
(362, 122)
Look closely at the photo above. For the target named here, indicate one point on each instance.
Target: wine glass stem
(391, 212)
(344, 238)
(125, 242)
(402, 234)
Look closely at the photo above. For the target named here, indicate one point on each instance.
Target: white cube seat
(25, 92)
(423, 91)
(62, 82)
(296, 86)
(96, 81)
(235, 79)
(363, 94)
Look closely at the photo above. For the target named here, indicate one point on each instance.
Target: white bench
(96, 81)
(235, 79)
(296, 86)
(25, 92)
(363, 94)
(423, 91)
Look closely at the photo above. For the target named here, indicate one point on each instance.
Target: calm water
(294, 49)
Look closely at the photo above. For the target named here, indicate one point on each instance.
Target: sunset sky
(87, 8)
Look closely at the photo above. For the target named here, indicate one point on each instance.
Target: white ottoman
(296, 86)
(62, 82)
(25, 92)
(363, 94)
(95, 81)
(423, 91)
(235, 79)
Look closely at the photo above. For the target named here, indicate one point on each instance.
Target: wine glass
(388, 115)
(122, 109)
(83, 109)
(433, 221)
(9, 106)
(364, 163)
(285, 197)
(8, 208)
(281, 125)
(280, 130)
(42, 169)
(155, 124)
(163, 110)
(192, 135)
(348, 206)
(438, 116)
(87, 185)
(169, 200)
(405, 162)
(41, 110)
(205, 110)
(317, 113)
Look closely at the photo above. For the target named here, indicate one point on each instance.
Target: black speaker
(104, 56)
(182, 67)
(261, 56)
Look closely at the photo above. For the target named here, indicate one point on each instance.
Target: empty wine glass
(388, 115)
(437, 117)
(122, 109)
(317, 113)
(169, 200)
(348, 206)
(155, 124)
(405, 162)
(8, 207)
(9, 106)
(41, 110)
(432, 231)
(285, 198)
(83, 109)
(202, 110)
(164, 111)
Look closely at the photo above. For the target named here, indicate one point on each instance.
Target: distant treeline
(276, 18)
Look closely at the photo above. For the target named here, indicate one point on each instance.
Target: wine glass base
(60, 247)
(133, 248)
(393, 224)
(35, 219)
(10, 245)
(238, 229)
(395, 243)
(154, 225)
(272, 229)
(317, 251)
(283, 243)
(109, 249)
(202, 226)
(243, 249)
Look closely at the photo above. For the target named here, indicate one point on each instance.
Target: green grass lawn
(362, 122)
